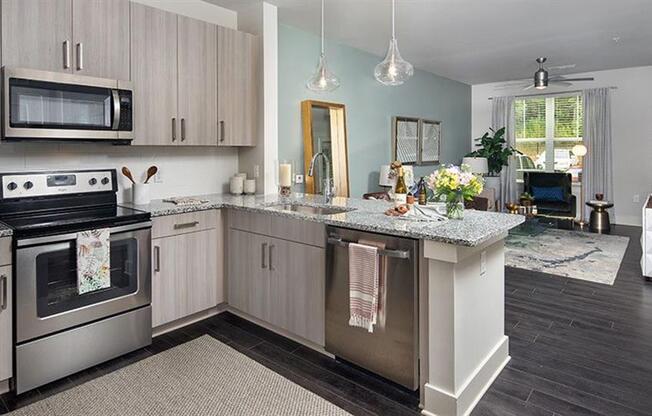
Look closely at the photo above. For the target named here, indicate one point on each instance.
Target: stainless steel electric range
(58, 330)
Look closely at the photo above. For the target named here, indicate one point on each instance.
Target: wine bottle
(423, 192)
(400, 193)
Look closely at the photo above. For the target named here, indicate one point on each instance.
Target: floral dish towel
(93, 260)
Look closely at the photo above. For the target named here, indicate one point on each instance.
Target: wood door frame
(340, 155)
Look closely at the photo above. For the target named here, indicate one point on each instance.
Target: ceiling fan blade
(563, 83)
(509, 87)
(528, 87)
(560, 78)
(560, 67)
(580, 79)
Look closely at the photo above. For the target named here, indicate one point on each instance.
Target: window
(547, 128)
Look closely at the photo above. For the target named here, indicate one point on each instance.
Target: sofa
(552, 192)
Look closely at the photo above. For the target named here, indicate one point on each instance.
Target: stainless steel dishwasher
(392, 350)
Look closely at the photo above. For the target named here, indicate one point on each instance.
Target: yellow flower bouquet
(454, 185)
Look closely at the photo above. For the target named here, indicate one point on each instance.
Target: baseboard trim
(279, 331)
(188, 320)
(4, 386)
(442, 403)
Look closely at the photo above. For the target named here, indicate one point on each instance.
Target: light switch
(298, 178)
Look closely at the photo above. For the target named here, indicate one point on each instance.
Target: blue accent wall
(370, 106)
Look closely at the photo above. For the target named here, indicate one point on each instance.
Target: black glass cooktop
(71, 220)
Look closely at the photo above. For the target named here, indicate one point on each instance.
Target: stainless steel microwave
(42, 105)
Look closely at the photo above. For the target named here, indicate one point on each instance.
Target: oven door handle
(116, 109)
(72, 236)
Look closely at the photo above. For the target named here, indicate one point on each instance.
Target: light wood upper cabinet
(86, 37)
(154, 74)
(100, 31)
(238, 87)
(37, 34)
(197, 57)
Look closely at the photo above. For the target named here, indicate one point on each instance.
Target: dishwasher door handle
(395, 254)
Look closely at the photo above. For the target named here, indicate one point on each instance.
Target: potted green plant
(526, 199)
(493, 146)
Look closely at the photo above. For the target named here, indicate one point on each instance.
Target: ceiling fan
(542, 78)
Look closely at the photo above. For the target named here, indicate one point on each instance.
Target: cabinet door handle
(3, 293)
(271, 257)
(80, 56)
(186, 225)
(157, 259)
(222, 131)
(183, 129)
(66, 54)
(174, 129)
(263, 258)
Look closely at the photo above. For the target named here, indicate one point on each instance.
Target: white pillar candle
(285, 174)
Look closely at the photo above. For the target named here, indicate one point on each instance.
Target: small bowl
(599, 196)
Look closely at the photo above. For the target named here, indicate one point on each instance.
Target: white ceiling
(479, 41)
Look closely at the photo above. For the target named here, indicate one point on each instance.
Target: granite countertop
(5, 231)
(476, 228)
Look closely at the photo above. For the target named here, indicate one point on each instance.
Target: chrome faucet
(327, 181)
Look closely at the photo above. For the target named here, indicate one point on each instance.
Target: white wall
(632, 138)
(184, 170)
(262, 19)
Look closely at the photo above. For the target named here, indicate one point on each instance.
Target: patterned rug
(200, 377)
(574, 254)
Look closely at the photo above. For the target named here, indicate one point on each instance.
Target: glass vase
(455, 208)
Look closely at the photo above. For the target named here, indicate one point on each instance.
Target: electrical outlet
(298, 178)
(636, 199)
(158, 178)
(257, 171)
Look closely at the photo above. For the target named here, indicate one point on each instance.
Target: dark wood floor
(577, 348)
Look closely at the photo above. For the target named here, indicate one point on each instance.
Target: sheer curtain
(502, 115)
(597, 175)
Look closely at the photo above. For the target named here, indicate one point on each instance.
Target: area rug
(574, 254)
(200, 377)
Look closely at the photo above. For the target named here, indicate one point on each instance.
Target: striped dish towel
(363, 286)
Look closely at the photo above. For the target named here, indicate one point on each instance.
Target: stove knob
(92, 181)
(11, 186)
(105, 181)
(28, 185)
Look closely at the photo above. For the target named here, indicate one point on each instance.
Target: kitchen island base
(463, 347)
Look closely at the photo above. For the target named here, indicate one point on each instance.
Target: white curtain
(597, 175)
(502, 115)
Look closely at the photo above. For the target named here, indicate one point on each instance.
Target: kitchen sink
(311, 209)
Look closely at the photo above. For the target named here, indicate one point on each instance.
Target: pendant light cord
(322, 27)
(393, 19)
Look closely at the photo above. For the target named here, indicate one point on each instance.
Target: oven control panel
(35, 184)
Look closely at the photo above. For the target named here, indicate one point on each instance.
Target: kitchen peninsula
(462, 342)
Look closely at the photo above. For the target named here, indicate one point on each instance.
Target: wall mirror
(324, 130)
(416, 141)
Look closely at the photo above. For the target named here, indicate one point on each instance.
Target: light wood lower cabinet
(6, 321)
(187, 276)
(278, 281)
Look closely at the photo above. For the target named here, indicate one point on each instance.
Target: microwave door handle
(116, 110)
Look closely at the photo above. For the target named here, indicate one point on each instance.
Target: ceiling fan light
(541, 79)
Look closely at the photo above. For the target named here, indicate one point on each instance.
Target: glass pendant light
(323, 79)
(393, 70)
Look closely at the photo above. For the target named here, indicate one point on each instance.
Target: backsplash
(184, 170)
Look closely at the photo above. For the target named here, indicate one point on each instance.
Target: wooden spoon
(127, 173)
(151, 171)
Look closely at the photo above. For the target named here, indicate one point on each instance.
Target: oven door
(47, 297)
(49, 105)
